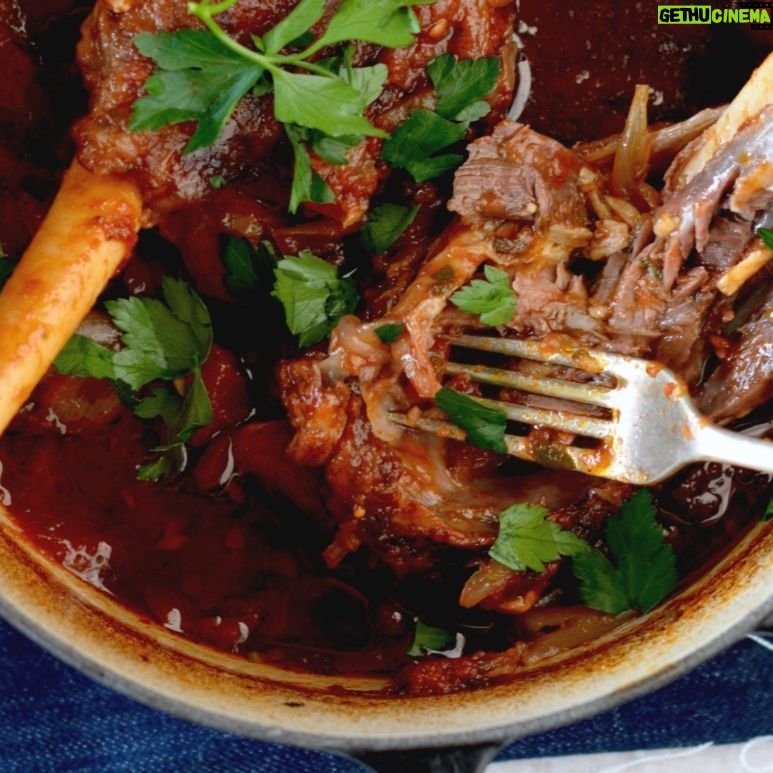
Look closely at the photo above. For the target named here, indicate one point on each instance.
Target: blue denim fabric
(52, 718)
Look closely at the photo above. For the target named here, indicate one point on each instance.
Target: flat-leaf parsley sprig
(201, 74)
(528, 539)
(642, 571)
(314, 297)
(162, 341)
(418, 145)
(492, 298)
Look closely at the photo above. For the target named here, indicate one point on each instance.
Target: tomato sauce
(215, 554)
(239, 576)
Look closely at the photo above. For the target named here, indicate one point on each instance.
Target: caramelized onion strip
(633, 153)
(87, 234)
(666, 140)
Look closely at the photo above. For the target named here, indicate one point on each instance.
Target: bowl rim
(120, 653)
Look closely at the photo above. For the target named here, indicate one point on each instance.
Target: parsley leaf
(768, 514)
(160, 467)
(766, 234)
(527, 539)
(416, 144)
(485, 426)
(330, 105)
(644, 568)
(198, 79)
(85, 358)
(390, 23)
(202, 74)
(297, 23)
(166, 341)
(307, 184)
(247, 268)
(333, 149)
(389, 332)
(314, 297)
(384, 225)
(181, 415)
(461, 85)
(492, 299)
(162, 341)
(427, 638)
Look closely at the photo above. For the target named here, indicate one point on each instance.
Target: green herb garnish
(247, 268)
(527, 539)
(384, 226)
(389, 332)
(201, 74)
(492, 299)
(766, 234)
(643, 570)
(162, 341)
(485, 426)
(307, 185)
(418, 144)
(427, 638)
(181, 416)
(314, 297)
(768, 514)
(461, 85)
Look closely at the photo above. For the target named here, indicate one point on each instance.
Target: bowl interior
(88, 629)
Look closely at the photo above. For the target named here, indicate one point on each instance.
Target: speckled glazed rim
(89, 630)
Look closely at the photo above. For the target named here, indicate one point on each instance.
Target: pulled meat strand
(532, 207)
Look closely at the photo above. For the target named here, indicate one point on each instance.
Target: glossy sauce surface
(246, 576)
(214, 555)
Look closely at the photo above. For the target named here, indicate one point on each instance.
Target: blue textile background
(52, 718)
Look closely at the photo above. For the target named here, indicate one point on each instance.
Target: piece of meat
(517, 174)
(744, 162)
(253, 155)
(253, 143)
(744, 379)
(403, 500)
(587, 269)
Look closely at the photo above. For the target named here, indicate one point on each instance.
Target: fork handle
(721, 445)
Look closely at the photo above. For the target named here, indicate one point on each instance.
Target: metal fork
(651, 427)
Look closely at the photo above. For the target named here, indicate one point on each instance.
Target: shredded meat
(532, 207)
(744, 379)
(687, 214)
(517, 174)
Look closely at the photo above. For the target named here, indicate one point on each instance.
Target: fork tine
(579, 425)
(591, 394)
(556, 456)
(654, 429)
(530, 350)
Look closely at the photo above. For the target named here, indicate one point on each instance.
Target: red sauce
(240, 576)
(246, 576)
(233, 566)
